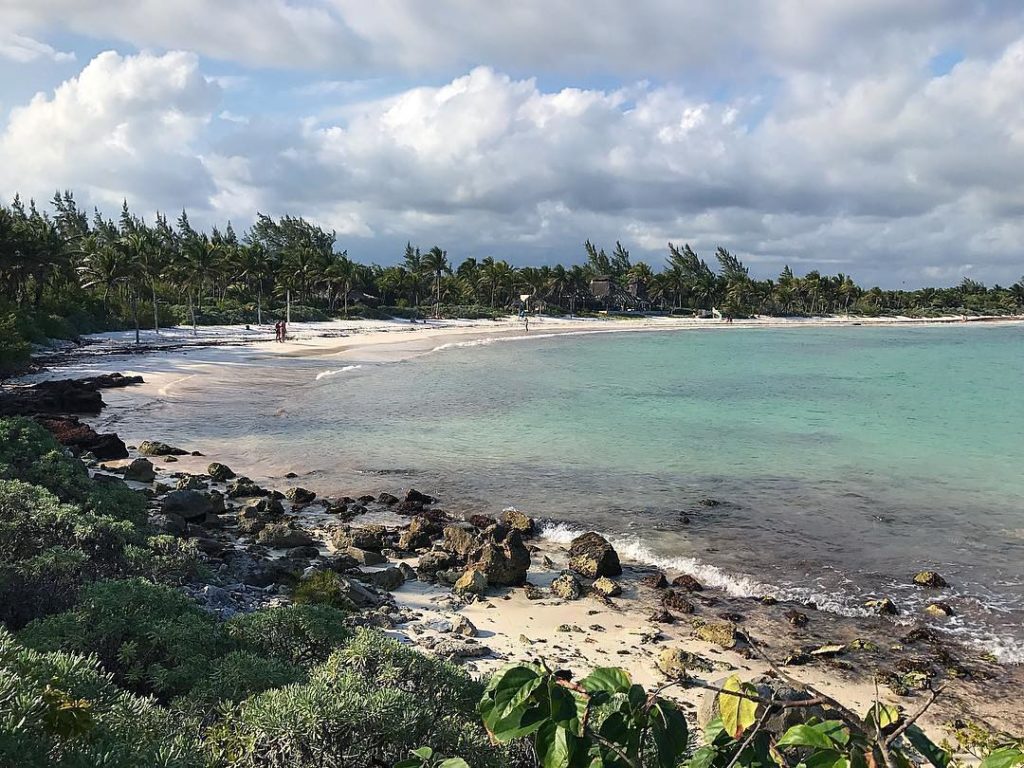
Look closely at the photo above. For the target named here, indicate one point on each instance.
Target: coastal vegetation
(64, 272)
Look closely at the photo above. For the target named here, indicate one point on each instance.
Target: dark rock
(504, 562)
(191, 483)
(157, 448)
(366, 556)
(655, 580)
(367, 498)
(567, 587)
(459, 540)
(211, 547)
(591, 555)
(308, 552)
(79, 437)
(517, 521)
(688, 583)
(418, 535)
(388, 579)
(191, 505)
(168, 522)
(281, 536)
(431, 563)
(709, 502)
(662, 616)
(796, 618)
(939, 609)
(674, 601)
(371, 537)
(140, 471)
(341, 562)
(220, 473)
(290, 475)
(388, 499)
(243, 487)
(299, 495)
(415, 497)
(61, 396)
(481, 521)
(930, 579)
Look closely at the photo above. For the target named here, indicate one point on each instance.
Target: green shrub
(299, 634)
(58, 709)
(322, 588)
(234, 677)
(369, 704)
(152, 638)
(14, 348)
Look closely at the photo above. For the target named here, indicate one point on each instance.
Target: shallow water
(844, 459)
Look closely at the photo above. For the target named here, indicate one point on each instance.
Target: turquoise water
(843, 459)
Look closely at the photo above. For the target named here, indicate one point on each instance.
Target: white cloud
(23, 50)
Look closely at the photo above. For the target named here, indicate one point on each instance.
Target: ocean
(815, 464)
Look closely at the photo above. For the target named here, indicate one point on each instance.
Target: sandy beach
(845, 657)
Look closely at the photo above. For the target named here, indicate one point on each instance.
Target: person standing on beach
(284, 331)
(277, 331)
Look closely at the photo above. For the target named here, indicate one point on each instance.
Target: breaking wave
(326, 374)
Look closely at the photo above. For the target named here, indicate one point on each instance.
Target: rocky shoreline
(488, 591)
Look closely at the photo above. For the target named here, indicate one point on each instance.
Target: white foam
(325, 374)
(1005, 650)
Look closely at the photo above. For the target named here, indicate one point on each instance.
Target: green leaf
(564, 713)
(555, 746)
(827, 758)
(515, 687)
(670, 733)
(738, 713)
(886, 714)
(703, 758)
(933, 753)
(805, 736)
(454, 762)
(1005, 757)
(609, 679)
(423, 753)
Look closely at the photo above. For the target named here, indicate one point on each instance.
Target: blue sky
(881, 138)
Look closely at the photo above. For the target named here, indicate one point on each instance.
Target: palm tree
(340, 272)
(435, 263)
(102, 266)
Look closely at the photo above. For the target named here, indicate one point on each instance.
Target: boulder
(220, 473)
(299, 495)
(930, 579)
(157, 448)
(191, 483)
(481, 521)
(366, 556)
(418, 535)
(140, 471)
(673, 601)
(416, 497)
(673, 663)
(81, 438)
(281, 536)
(168, 522)
(372, 537)
(339, 562)
(472, 582)
(505, 563)
(655, 580)
(567, 587)
(721, 633)
(517, 521)
(459, 540)
(431, 563)
(883, 607)
(939, 610)
(388, 499)
(388, 579)
(605, 586)
(359, 595)
(243, 487)
(688, 583)
(463, 626)
(190, 505)
(591, 555)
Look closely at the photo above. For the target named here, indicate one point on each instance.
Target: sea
(814, 464)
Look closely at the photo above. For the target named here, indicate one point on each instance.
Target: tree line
(65, 261)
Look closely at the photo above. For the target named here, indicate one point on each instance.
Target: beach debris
(655, 580)
(190, 505)
(170, 459)
(299, 495)
(861, 645)
(883, 607)
(459, 540)
(688, 583)
(797, 659)
(568, 628)
(156, 448)
(547, 562)
(220, 473)
(140, 471)
(591, 555)
(930, 579)
(605, 586)
(674, 601)
(502, 557)
(721, 633)
(518, 521)
(828, 651)
(472, 582)
(796, 618)
(939, 610)
(566, 587)
(282, 536)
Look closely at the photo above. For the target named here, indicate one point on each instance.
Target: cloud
(23, 50)
(126, 126)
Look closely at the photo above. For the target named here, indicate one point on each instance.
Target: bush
(58, 709)
(369, 704)
(299, 634)
(233, 678)
(322, 588)
(14, 348)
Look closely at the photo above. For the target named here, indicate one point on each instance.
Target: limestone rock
(372, 537)
(431, 563)
(939, 610)
(505, 563)
(883, 607)
(566, 587)
(591, 555)
(607, 587)
(463, 626)
(243, 487)
(722, 634)
(688, 583)
(655, 580)
(299, 495)
(674, 601)
(366, 556)
(930, 579)
(156, 448)
(471, 582)
(191, 483)
(459, 540)
(280, 535)
(388, 579)
(220, 473)
(517, 521)
(418, 535)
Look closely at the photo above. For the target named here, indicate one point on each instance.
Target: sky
(879, 138)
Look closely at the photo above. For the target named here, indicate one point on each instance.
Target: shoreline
(626, 625)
